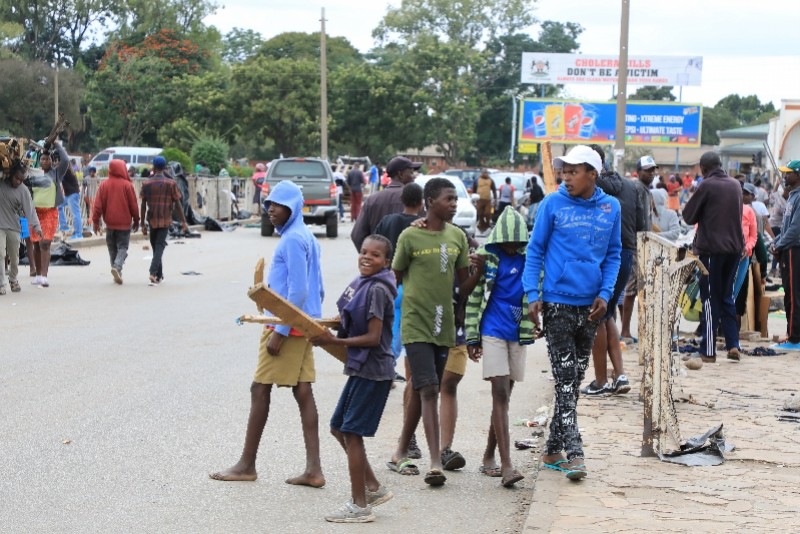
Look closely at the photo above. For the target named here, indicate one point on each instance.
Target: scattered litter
(147, 258)
(706, 450)
(145, 247)
(688, 349)
(694, 364)
(528, 443)
(763, 351)
(537, 432)
(191, 273)
(66, 441)
(792, 405)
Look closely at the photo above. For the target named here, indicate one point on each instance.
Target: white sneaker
(36, 281)
(351, 513)
(43, 282)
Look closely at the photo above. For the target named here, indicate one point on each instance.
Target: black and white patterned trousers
(570, 336)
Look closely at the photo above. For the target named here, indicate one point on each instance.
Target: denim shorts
(360, 406)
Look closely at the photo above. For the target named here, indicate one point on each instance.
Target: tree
(55, 31)
(240, 45)
(652, 92)
(469, 22)
(124, 104)
(298, 45)
(715, 120)
(747, 109)
(144, 17)
(27, 106)
(279, 99)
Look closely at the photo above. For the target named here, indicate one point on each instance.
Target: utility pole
(323, 89)
(622, 84)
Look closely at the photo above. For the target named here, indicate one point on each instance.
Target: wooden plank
(277, 321)
(267, 299)
(548, 173)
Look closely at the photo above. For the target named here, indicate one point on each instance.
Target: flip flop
(510, 480)
(577, 472)
(490, 471)
(556, 466)
(403, 467)
(435, 477)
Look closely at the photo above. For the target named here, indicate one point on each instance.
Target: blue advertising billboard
(665, 124)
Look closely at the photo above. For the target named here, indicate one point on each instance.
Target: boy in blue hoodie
(285, 357)
(571, 267)
(498, 329)
(366, 311)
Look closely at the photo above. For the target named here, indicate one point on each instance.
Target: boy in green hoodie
(498, 330)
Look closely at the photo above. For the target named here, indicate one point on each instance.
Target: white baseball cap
(646, 162)
(580, 154)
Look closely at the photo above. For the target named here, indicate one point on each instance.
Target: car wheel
(267, 230)
(332, 226)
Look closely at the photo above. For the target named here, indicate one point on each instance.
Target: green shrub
(174, 154)
(211, 150)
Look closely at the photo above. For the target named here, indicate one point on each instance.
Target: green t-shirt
(429, 260)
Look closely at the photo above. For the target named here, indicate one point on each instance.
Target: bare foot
(307, 479)
(552, 458)
(234, 474)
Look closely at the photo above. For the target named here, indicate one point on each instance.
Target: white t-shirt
(760, 208)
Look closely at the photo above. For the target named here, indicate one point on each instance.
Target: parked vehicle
(466, 215)
(315, 179)
(467, 177)
(521, 182)
(132, 155)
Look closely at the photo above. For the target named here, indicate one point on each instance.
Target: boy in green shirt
(427, 261)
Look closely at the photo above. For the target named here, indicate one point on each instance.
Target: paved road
(117, 402)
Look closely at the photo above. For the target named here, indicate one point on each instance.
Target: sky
(747, 47)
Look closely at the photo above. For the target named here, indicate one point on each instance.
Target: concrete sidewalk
(757, 489)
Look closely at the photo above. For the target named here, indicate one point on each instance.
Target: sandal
(452, 460)
(434, 477)
(15, 288)
(509, 480)
(403, 467)
(556, 466)
(490, 471)
(2, 290)
(577, 472)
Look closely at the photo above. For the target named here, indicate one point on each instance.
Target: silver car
(466, 214)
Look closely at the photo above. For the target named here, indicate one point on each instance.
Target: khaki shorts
(503, 358)
(294, 363)
(457, 360)
(632, 287)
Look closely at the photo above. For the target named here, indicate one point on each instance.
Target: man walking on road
(159, 195)
(487, 197)
(355, 182)
(115, 203)
(716, 208)
(385, 202)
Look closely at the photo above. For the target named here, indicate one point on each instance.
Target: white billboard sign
(544, 68)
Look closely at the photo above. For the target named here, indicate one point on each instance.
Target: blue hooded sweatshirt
(577, 243)
(295, 271)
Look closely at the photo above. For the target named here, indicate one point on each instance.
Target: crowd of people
(30, 204)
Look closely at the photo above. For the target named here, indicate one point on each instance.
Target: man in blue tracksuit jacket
(285, 357)
(571, 266)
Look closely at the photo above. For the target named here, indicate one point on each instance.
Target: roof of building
(757, 131)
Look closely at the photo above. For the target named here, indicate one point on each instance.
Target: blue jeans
(72, 201)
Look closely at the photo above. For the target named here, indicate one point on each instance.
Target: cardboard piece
(267, 299)
(548, 173)
(277, 321)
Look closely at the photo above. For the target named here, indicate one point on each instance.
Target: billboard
(556, 69)
(665, 124)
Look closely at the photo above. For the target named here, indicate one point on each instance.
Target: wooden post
(548, 173)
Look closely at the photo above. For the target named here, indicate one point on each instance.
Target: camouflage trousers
(570, 336)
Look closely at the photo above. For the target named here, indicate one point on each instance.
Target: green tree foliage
(173, 154)
(212, 151)
(279, 99)
(126, 100)
(240, 45)
(297, 45)
(652, 92)
(140, 18)
(28, 89)
(374, 111)
(469, 22)
(734, 111)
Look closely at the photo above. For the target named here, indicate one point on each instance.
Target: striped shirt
(160, 193)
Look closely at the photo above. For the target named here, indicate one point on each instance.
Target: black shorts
(427, 362)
